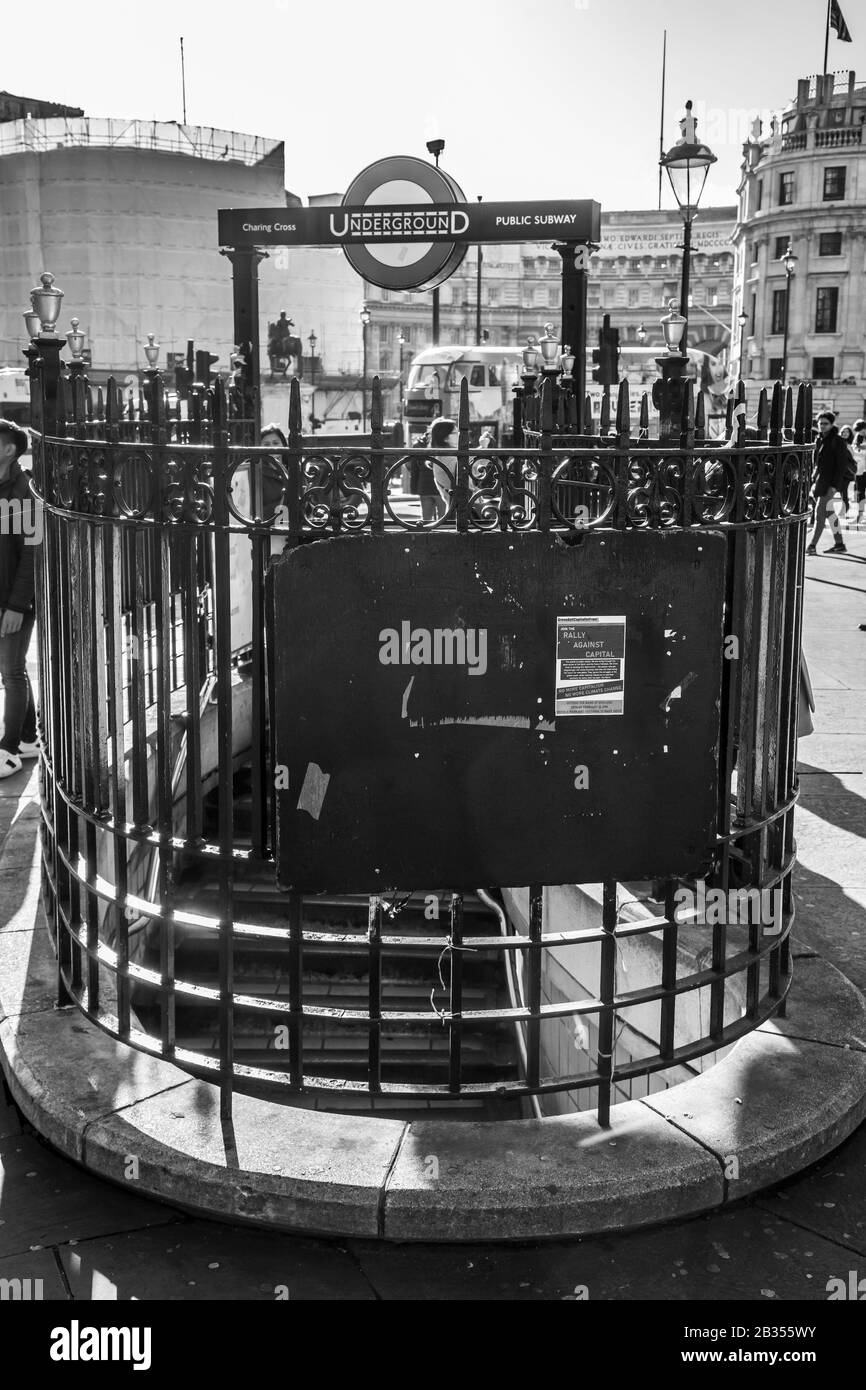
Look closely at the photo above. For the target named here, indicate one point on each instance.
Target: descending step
(415, 981)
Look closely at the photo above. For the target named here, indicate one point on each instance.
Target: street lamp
(742, 320)
(401, 343)
(365, 324)
(687, 164)
(641, 334)
(435, 147)
(312, 340)
(789, 260)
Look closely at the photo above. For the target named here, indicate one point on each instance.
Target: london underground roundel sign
(394, 183)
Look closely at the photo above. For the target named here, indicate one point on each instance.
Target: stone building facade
(634, 273)
(803, 183)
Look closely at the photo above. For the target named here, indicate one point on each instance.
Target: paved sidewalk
(90, 1240)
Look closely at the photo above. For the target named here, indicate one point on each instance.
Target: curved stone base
(781, 1099)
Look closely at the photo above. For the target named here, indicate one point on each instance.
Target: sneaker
(811, 550)
(837, 549)
(28, 750)
(10, 763)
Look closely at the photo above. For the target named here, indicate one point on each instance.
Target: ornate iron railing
(146, 538)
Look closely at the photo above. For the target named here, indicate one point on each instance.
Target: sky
(534, 98)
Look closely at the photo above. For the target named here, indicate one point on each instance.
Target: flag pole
(827, 37)
(662, 117)
(184, 77)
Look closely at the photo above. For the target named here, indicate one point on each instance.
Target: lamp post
(365, 324)
(641, 336)
(668, 389)
(435, 147)
(790, 263)
(687, 164)
(401, 343)
(742, 320)
(312, 340)
(478, 294)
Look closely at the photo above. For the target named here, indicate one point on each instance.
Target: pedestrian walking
(846, 434)
(17, 600)
(831, 458)
(858, 449)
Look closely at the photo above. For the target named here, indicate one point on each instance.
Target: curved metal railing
(146, 542)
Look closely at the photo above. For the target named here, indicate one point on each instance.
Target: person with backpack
(17, 600)
(831, 460)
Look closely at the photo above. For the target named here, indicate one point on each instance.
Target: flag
(837, 22)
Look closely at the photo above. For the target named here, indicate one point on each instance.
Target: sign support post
(245, 302)
(575, 265)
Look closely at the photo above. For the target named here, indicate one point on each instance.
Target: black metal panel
(403, 774)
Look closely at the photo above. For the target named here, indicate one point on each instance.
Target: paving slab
(559, 1176)
(834, 923)
(45, 1200)
(198, 1261)
(277, 1164)
(830, 1197)
(10, 1123)
(64, 1072)
(40, 1268)
(833, 843)
(745, 1253)
(838, 714)
(772, 1106)
(834, 753)
(28, 966)
(814, 784)
(821, 1007)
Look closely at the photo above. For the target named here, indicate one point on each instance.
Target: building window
(384, 295)
(752, 253)
(633, 298)
(759, 195)
(782, 243)
(384, 361)
(779, 304)
(830, 244)
(713, 294)
(834, 184)
(753, 312)
(774, 369)
(826, 308)
(823, 368)
(492, 294)
(786, 189)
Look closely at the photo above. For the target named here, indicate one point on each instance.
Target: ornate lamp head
(151, 351)
(46, 300)
(673, 326)
(549, 346)
(75, 341)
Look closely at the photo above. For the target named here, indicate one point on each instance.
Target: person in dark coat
(831, 461)
(19, 536)
(433, 504)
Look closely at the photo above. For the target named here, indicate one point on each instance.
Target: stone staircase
(336, 976)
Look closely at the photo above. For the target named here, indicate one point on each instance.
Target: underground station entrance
(357, 812)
